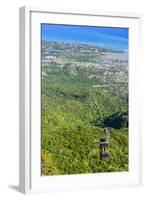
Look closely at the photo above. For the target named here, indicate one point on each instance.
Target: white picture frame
(29, 161)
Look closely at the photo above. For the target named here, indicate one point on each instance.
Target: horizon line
(87, 43)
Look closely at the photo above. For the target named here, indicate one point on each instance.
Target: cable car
(104, 145)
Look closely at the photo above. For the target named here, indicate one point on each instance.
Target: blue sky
(106, 37)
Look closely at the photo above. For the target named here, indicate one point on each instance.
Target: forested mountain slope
(84, 90)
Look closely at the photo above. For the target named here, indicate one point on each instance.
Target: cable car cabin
(104, 145)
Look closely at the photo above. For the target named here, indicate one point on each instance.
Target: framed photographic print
(79, 100)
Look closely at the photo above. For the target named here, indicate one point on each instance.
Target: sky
(105, 37)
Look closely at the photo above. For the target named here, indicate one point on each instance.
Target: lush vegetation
(76, 106)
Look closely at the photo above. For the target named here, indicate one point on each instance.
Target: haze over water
(104, 37)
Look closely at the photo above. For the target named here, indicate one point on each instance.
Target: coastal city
(108, 67)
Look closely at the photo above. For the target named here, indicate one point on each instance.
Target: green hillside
(78, 102)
